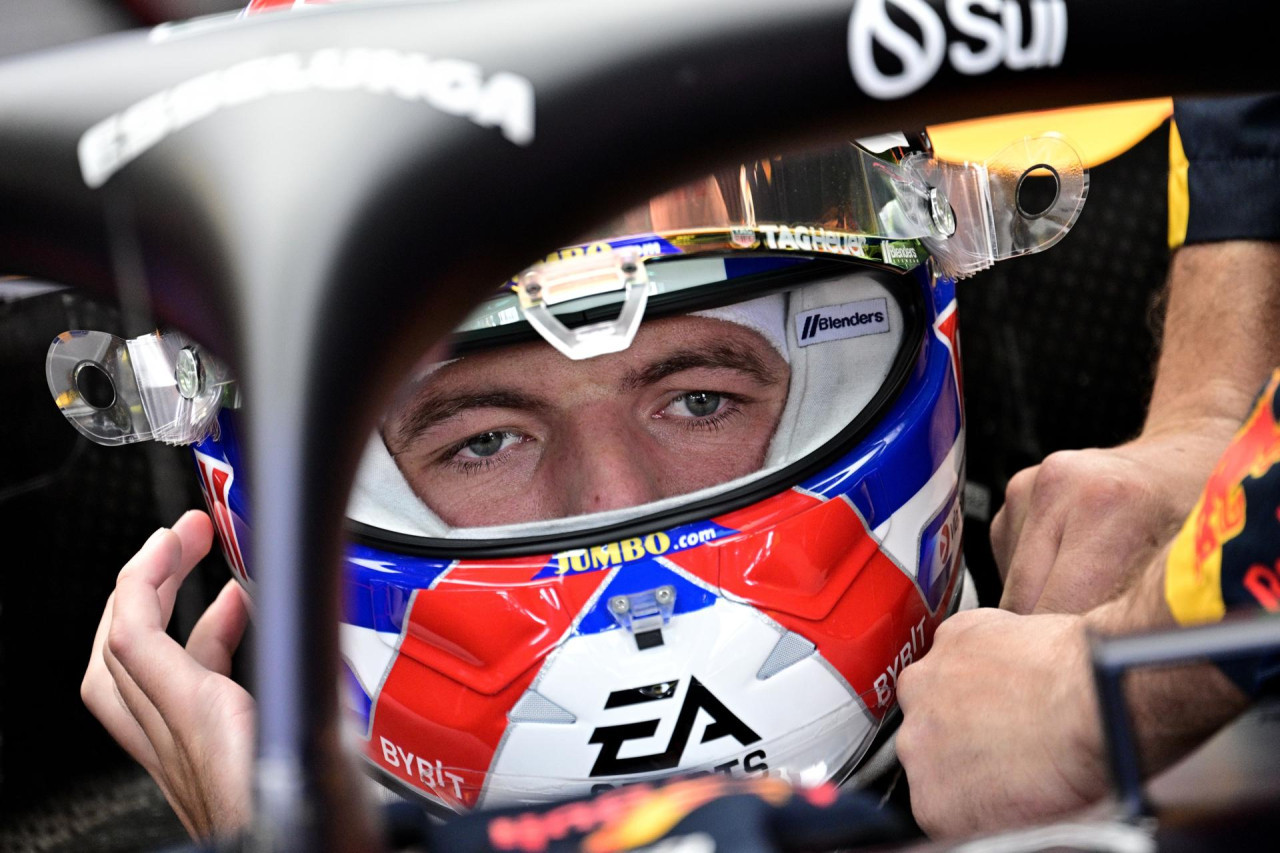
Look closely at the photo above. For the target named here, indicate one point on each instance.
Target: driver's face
(525, 434)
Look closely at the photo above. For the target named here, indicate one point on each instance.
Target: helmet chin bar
(301, 258)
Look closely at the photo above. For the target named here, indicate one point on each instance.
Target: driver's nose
(609, 468)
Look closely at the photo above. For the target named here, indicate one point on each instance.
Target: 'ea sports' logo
(723, 723)
(998, 36)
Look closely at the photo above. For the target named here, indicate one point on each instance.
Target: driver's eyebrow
(723, 355)
(431, 409)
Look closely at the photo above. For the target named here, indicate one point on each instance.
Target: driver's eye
(486, 444)
(701, 403)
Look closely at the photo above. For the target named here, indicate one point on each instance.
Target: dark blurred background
(1058, 353)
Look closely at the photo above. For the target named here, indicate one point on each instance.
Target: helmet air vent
(791, 648)
(533, 707)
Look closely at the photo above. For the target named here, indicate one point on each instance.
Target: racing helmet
(682, 497)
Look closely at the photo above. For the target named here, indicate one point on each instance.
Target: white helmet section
(840, 339)
(602, 712)
(766, 316)
(842, 336)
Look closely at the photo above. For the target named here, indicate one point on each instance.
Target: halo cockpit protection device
(662, 482)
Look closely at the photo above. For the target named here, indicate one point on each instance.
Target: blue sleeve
(1232, 146)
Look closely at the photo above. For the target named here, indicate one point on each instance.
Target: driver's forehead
(536, 366)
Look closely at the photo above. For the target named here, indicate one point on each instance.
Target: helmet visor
(741, 366)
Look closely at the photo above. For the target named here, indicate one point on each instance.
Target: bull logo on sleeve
(1228, 551)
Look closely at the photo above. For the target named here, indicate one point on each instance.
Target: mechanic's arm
(1001, 722)
(175, 709)
(1000, 717)
(1076, 529)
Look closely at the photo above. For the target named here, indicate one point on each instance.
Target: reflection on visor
(846, 201)
(844, 190)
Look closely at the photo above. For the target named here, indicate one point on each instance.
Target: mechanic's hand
(176, 710)
(999, 723)
(1075, 530)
